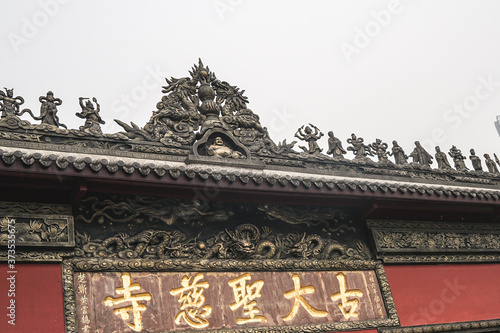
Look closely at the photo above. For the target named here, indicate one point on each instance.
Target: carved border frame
(38, 256)
(404, 255)
(467, 326)
(69, 267)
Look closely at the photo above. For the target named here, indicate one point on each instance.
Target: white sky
(407, 79)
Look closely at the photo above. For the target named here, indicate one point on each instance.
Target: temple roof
(202, 129)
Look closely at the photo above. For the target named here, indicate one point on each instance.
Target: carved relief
(139, 209)
(244, 242)
(36, 228)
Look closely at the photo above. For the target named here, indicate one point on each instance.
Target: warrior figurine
(91, 116)
(311, 138)
(9, 105)
(458, 158)
(380, 149)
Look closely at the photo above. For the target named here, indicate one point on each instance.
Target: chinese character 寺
(136, 308)
(297, 293)
(348, 308)
(244, 295)
(192, 299)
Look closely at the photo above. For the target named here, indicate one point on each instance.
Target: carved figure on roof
(420, 155)
(335, 146)
(476, 161)
(458, 158)
(305, 133)
(490, 164)
(199, 100)
(48, 110)
(231, 95)
(496, 158)
(220, 149)
(399, 154)
(9, 105)
(359, 149)
(380, 149)
(442, 160)
(91, 115)
(245, 125)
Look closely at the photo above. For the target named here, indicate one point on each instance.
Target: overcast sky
(394, 70)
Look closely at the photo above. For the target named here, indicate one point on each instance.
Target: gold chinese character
(348, 308)
(81, 278)
(85, 320)
(82, 288)
(192, 299)
(136, 308)
(297, 293)
(244, 293)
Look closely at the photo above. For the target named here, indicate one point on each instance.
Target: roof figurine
(306, 134)
(490, 164)
(458, 158)
(335, 146)
(496, 159)
(9, 105)
(442, 160)
(380, 149)
(421, 156)
(91, 115)
(399, 154)
(476, 161)
(359, 149)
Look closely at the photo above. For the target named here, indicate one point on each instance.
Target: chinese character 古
(348, 308)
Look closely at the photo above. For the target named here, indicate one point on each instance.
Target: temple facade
(199, 221)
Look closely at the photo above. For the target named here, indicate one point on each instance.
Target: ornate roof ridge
(203, 120)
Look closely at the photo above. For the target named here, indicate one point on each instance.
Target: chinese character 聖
(245, 295)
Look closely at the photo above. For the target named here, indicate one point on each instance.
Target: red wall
(434, 294)
(424, 294)
(39, 299)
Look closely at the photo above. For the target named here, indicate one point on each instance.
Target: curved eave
(100, 172)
